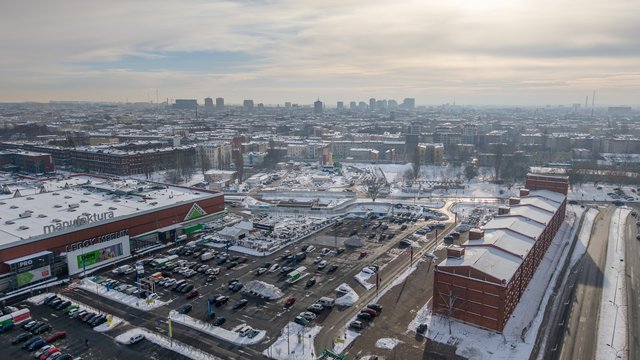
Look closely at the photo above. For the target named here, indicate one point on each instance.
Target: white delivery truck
(327, 301)
(206, 256)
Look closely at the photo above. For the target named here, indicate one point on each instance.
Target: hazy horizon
(496, 52)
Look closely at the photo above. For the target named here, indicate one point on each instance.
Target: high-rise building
(392, 104)
(248, 105)
(317, 107)
(372, 104)
(186, 104)
(287, 105)
(340, 106)
(353, 105)
(409, 103)
(208, 105)
(219, 104)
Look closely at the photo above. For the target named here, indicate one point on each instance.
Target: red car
(49, 352)
(371, 312)
(192, 294)
(56, 336)
(290, 301)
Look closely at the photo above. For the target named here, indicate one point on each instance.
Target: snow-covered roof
(508, 240)
(535, 213)
(493, 262)
(99, 200)
(516, 223)
(539, 202)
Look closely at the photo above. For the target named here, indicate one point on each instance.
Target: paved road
(579, 337)
(632, 257)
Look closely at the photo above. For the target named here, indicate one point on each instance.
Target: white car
(42, 350)
(310, 249)
(152, 296)
(308, 315)
(170, 283)
(274, 268)
(368, 270)
(322, 264)
(325, 251)
(136, 338)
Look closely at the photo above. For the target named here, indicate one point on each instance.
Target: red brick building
(482, 281)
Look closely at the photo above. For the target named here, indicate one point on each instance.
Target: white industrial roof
(535, 213)
(25, 217)
(511, 241)
(493, 262)
(516, 223)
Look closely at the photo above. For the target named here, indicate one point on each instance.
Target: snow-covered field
(589, 191)
(129, 300)
(612, 327)
(297, 340)
(115, 321)
(387, 343)
(167, 343)
(521, 330)
(223, 334)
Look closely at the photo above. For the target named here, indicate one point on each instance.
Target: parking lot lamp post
(84, 267)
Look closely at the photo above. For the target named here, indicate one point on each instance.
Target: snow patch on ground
(216, 331)
(115, 321)
(612, 327)
(349, 298)
(584, 236)
(167, 343)
(362, 278)
(129, 300)
(263, 289)
(297, 339)
(387, 343)
(346, 340)
(520, 333)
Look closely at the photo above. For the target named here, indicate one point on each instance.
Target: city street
(633, 286)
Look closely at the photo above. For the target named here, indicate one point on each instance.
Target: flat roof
(24, 218)
(491, 261)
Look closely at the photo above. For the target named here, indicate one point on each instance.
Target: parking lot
(100, 346)
(380, 243)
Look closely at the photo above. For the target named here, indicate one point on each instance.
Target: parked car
(27, 325)
(300, 320)
(358, 325)
(308, 315)
(187, 288)
(315, 308)
(6, 327)
(364, 316)
(261, 271)
(49, 299)
(41, 329)
(29, 342)
(310, 282)
(219, 321)
(240, 304)
(37, 344)
(20, 338)
(376, 307)
(136, 338)
(42, 350)
(51, 352)
(56, 336)
(237, 287)
(221, 300)
(370, 311)
(185, 309)
(322, 264)
(290, 301)
(192, 294)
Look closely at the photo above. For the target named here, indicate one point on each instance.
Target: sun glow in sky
(476, 52)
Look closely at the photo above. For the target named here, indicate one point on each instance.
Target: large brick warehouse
(482, 281)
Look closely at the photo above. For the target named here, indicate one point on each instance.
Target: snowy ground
(349, 298)
(295, 343)
(612, 327)
(387, 343)
(584, 236)
(216, 331)
(521, 330)
(351, 335)
(589, 191)
(362, 278)
(117, 296)
(115, 321)
(166, 343)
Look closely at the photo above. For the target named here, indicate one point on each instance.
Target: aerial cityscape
(342, 180)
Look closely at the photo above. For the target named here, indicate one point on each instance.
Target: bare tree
(374, 185)
(205, 162)
(450, 301)
(415, 166)
(497, 165)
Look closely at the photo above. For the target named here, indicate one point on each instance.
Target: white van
(327, 301)
(124, 269)
(206, 256)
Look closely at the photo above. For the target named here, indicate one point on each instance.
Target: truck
(206, 256)
(327, 301)
(296, 275)
(124, 269)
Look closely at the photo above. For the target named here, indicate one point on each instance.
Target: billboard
(31, 276)
(33, 261)
(99, 255)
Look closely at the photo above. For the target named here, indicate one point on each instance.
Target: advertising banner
(100, 255)
(28, 277)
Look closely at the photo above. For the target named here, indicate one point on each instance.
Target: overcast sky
(471, 51)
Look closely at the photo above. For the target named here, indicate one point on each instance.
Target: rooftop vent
(25, 214)
(84, 201)
(9, 222)
(74, 206)
(97, 204)
(57, 206)
(13, 206)
(42, 216)
(23, 227)
(67, 197)
(29, 198)
(55, 194)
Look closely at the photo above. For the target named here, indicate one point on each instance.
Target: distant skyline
(492, 52)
